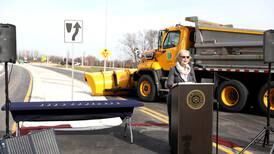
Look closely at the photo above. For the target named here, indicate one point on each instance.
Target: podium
(191, 118)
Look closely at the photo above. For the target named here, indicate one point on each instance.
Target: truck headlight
(148, 55)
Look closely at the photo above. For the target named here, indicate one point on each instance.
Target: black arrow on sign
(76, 26)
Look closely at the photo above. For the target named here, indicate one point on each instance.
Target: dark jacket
(175, 77)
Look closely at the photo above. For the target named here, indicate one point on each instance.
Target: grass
(88, 68)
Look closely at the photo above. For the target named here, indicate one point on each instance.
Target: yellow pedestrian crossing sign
(105, 53)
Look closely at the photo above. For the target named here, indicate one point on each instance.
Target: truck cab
(155, 64)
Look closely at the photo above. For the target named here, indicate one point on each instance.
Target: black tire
(146, 88)
(262, 99)
(232, 95)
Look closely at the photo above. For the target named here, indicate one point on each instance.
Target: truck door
(169, 49)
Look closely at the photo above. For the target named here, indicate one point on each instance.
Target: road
(150, 128)
(19, 80)
(78, 75)
(239, 128)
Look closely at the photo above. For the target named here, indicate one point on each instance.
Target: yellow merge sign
(105, 53)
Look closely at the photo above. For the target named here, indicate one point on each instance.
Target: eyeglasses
(187, 57)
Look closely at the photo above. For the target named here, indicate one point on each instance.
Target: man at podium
(181, 72)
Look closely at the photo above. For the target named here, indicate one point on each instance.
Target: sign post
(105, 54)
(73, 33)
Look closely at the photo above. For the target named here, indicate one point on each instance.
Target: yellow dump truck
(236, 55)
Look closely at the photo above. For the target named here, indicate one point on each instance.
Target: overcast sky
(40, 23)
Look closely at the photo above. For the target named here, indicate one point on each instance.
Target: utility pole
(67, 59)
(83, 59)
(106, 19)
(47, 60)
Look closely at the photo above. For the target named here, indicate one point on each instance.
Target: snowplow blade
(117, 82)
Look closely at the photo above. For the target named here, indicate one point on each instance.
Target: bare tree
(147, 39)
(151, 39)
(130, 44)
(55, 59)
(143, 40)
(90, 60)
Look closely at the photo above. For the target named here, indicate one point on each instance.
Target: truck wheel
(146, 88)
(262, 98)
(232, 95)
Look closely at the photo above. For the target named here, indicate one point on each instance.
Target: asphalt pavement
(236, 130)
(19, 79)
(78, 75)
(50, 85)
(150, 122)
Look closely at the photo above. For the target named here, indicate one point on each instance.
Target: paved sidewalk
(51, 86)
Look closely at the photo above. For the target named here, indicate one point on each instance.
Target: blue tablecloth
(72, 110)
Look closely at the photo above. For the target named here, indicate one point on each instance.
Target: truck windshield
(172, 39)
